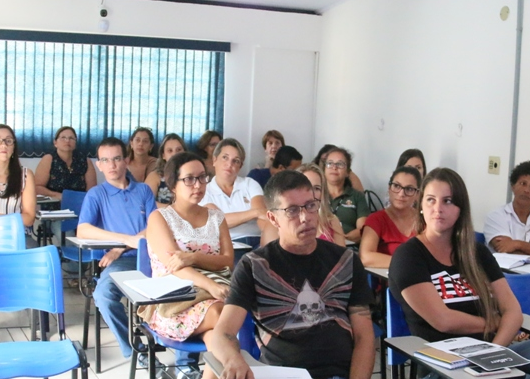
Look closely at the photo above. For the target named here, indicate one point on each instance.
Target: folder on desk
(161, 287)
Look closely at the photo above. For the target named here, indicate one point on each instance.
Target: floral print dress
(202, 240)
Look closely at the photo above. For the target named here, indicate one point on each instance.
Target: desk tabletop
(91, 244)
(47, 200)
(379, 272)
(410, 344)
(54, 216)
(119, 277)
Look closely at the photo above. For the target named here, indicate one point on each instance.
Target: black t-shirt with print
(300, 304)
(412, 264)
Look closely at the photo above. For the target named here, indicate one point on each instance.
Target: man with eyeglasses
(116, 210)
(309, 298)
(507, 229)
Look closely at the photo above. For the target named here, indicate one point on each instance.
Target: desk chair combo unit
(32, 279)
(156, 342)
(73, 200)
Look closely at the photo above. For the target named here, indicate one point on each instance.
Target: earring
(421, 211)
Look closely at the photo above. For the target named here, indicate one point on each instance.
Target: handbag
(169, 310)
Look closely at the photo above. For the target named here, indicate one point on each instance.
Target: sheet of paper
(276, 372)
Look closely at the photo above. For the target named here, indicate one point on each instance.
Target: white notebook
(159, 288)
(508, 261)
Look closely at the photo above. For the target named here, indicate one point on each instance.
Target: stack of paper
(508, 261)
(441, 358)
(162, 287)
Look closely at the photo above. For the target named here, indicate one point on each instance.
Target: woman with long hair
(140, 160)
(205, 148)
(388, 228)
(448, 285)
(65, 168)
(171, 144)
(320, 160)
(185, 237)
(413, 158)
(17, 183)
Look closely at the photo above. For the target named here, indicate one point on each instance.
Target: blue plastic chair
(396, 326)
(32, 279)
(192, 345)
(520, 285)
(12, 233)
(73, 200)
(480, 238)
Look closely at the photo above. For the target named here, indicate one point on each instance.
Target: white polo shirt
(504, 222)
(244, 190)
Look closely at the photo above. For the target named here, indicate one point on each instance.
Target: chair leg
(394, 372)
(402, 371)
(98, 340)
(34, 322)
(413, 370)
(42, 320)
(86, 320)
(382, 357)
(134, 359)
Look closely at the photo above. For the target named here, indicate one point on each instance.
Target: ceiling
(294, 6)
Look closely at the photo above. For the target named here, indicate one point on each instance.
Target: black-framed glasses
(117, 159)
(408, 191)
(340, 164)
(294, 210)
(8, 141)
(191, 180)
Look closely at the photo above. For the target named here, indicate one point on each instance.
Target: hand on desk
(111, 256)
(505, 244)
(236, 368)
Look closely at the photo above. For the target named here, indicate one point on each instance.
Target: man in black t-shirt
(309, 298)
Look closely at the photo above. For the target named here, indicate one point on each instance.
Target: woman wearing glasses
(320, 160)
(184, 237)
(65, 168)
(171, 144)
(388, 228)
(17, 184)
(140, 161)
(348, 204)
(205, 147)
(241, 199)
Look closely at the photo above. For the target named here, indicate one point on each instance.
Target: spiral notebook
(441, 358)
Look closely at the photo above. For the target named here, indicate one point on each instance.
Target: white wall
(421, 68)
(257, 37)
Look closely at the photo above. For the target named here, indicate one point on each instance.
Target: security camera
(103, 12)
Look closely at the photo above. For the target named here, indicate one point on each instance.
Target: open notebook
(509, 261)
(161, 287)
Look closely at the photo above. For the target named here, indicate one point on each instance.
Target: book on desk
(441, 358)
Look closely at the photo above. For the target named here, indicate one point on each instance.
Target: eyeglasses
(294, 210)
(191, 180)
(339, 165)
(396, 188)
(7, 141)
(117, 159)
(65, 139)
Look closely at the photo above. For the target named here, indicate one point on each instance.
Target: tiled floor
(14, 327)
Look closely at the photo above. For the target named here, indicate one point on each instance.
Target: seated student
(271, 142)
(348, 204)
(171, 144)
(309, 298)
(320, 160)
(140, 162)
(205, 147)
(388, 228)
(197, 238)
(241, 199)
(329, 228)
(287, 158)
(413, 158)
(116, 210)
(17, 184)
(507, 229)
(426, 270)
(65, 168)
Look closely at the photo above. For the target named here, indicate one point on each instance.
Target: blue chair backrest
(143, 262)
(12, 233)
(71, 200)
(396, 326)
(520, 285)
(479, 237)
(31, 279)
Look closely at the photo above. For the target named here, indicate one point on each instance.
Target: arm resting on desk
(89, 231)
(225, 345)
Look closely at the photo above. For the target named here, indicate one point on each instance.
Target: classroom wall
(269, 73)
(438, 76)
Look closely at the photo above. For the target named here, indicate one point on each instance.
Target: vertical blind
(105, 91)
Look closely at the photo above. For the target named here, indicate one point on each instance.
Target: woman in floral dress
(185, 236)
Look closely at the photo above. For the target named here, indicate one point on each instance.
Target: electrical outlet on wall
(494, 165)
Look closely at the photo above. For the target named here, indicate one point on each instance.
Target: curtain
(107, 91)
